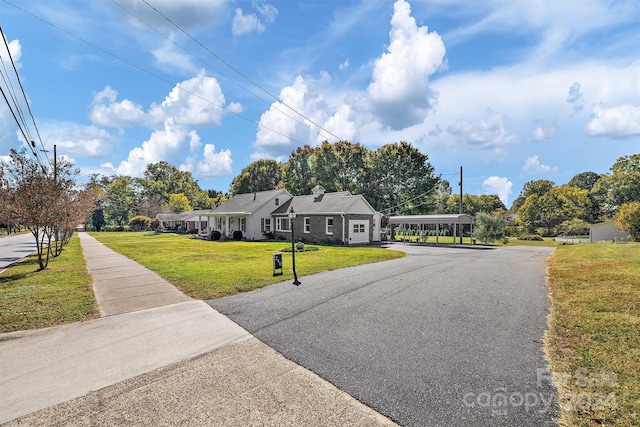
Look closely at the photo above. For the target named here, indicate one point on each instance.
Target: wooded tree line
(586, 199)
(394, 178)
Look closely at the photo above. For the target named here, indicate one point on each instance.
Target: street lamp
(292, 217)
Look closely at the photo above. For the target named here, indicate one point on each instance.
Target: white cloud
(575, 98)
(487, 133)
(281, 129)
(344, 65)
(399, 92)
(244, 24)
(161, 145)
(169, 57)
(533, 167)
(342, 124)
(544, 129)
(619, 121)
(209, 164)
(106, 111)
(500, 186)
(78, 140)
(198, 101)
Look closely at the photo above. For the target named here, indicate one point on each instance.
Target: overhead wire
(15, 105)
(139, 68)
(133, 15)
(240, 73)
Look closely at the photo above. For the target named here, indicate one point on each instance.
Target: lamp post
(292, 217)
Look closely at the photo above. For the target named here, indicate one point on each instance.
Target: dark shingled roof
(249, 202)
(327, 203)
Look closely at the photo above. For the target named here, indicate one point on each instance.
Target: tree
(539, 188)
(584, 180)
(339, 166)
(473, 204)
(553, 207)
(298, 177)
(261, 175)
(574, 227)
(47, 205)
(627, 219)
(121, 198)
(139, 223)
(179, 203)
(621, 186)
(400, 179)
(162, 179)
(488, 228)
(97, 219)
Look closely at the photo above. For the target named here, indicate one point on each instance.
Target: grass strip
(62, 293)
(593, 341)
(204, 269)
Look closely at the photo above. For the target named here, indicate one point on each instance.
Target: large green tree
(298, 177)
(488, 228)
(473, 204)
(401, 180)
(557, 205)
(261, 175)
(121, 196)
(161, 179)
(621, 186)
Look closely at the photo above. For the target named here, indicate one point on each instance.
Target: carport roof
(432, 219)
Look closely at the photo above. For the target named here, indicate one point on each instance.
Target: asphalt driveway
(445, 336)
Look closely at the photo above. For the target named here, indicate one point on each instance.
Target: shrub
(628, 220)
(181, 229)
(237, 235)
(269, 235)
(155, 224)
(281, 238)
(193, 231)
(216, 235)
(531, 237)
(139, 223)
(115, 228)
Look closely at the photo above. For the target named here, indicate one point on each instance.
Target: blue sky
(511, 90)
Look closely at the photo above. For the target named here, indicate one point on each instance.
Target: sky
(511, 90)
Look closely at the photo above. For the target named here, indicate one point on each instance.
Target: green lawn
(593, 341)
(204, 269)
(62, 293)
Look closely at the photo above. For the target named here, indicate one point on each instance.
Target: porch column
(437, 232)
(454, 234)
(226, 231)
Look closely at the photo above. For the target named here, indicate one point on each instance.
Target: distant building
(606, 232)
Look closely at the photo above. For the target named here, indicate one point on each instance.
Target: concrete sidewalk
(159, 358)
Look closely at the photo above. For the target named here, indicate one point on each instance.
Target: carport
(437, 220)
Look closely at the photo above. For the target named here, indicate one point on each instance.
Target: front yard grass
(204, 269)
(593, 341)
(60, 294)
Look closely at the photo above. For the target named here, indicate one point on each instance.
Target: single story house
(339, 217)
(606, 231)
(191, 220)
(249, 213)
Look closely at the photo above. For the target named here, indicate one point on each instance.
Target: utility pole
(460, 225)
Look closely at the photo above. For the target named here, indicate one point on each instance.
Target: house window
(277, 201)
(282, 224)
(243, 225)
(358, 228)
(329, 228)
(267, 224)
(307, 225)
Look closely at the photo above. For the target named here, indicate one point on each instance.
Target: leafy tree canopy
(261, 175)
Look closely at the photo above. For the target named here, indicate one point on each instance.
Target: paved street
(444, 336)
(16, 247)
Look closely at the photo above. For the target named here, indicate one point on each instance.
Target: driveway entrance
(445, 336)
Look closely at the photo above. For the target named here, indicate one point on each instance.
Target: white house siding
(254, 222)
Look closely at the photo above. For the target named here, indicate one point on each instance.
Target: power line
(206, 64)
(240, 73)
(24, 95)
(132, 65)
(15, 106)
